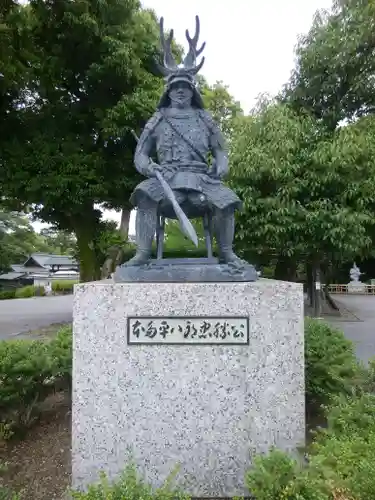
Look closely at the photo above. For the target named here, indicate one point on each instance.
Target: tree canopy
(303, 162)
(18, 240)
(333, 78)
(89, 82)
(221, 104)
(304, 192)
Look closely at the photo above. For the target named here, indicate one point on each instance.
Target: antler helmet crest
(169, 68)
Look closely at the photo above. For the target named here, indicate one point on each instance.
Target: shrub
(369, 382)
(132, 487)
(61, 352)
(63, 286)
(7, 294)
(331, 366)
(5, 493)
(29, 291)
(341, 463)
(29, 372)
(349, 415)
(346, 448)
(350, 462)
(277, 476)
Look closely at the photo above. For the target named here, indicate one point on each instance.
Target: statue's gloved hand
(152, 168)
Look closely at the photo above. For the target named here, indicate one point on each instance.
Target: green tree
(18, 239)
(333, 82)
(15, 60)
(59, 242)
(221, 104)
(333, 78)
(303, 191)
(15, 55)
(91, 83)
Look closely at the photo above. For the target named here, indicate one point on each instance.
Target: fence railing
(352, 290)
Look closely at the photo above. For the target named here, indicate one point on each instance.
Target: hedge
(29, 291)
(340, 462)
(340, 465)
(23, 293)
(331, 366)
(30, 371)
(59, 287)
(63, 286)
(129, 252)
(7, 294)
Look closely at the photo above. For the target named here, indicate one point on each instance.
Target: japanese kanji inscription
(188, 330)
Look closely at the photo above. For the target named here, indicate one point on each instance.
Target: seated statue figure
(182, 134)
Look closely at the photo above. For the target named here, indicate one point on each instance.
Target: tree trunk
(286, 269)
(124, 224)
(88, 265)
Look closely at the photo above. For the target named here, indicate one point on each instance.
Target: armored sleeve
(146, 144)
(217, 140)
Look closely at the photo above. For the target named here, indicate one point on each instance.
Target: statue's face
(181, 94)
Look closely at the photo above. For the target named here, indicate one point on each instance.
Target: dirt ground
(39, 466)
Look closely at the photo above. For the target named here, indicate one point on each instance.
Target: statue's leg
(224, 233)
(145, 228)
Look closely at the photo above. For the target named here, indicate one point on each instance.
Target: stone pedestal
(356, 287)
(186, 271)
(208, 408)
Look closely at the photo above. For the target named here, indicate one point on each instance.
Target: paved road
(22, 315)
(362, 330)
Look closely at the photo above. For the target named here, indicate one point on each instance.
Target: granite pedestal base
(356, 287)
(208, 408)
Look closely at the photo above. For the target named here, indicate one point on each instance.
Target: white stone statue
(355, 273)
(355, 285)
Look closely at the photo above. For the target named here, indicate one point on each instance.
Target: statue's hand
(152, 168)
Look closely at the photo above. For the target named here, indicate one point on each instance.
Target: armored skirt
(185, 183)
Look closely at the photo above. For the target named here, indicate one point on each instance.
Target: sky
(249, 43)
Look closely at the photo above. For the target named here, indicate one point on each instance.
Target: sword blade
(186, 226)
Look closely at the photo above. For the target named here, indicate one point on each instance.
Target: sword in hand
(186, 226)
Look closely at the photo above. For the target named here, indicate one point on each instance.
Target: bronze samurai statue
(182, 134)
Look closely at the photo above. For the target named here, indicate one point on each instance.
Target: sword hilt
(134, 135)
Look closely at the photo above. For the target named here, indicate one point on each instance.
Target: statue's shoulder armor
(207, 118)
(152, 123)
(148, 130)
(212, 126)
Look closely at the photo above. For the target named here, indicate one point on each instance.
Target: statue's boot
(145, 227)
(224, 231)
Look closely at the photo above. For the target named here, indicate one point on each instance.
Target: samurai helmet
(169, 68)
